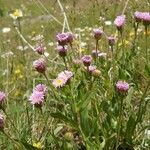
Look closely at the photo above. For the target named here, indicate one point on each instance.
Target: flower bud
(40, 65)
(87, 59)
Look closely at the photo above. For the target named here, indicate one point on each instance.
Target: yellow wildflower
(38, 145)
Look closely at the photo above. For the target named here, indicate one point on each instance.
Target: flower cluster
(38, 95)
(62, 79)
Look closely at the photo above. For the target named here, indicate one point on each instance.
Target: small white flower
(6, 30)
(51, 43)
(46, 54)
(108, 23)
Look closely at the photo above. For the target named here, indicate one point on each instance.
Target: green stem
(120, 106)
(146, 43)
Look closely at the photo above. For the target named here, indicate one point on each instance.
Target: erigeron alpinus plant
(86, 104)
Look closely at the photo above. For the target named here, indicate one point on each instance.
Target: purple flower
(40, 65)
(119, 21)
(111, 40)
(146, 18)
(40, 49)
(87, 59)
(41, 88)
(65, 74)
(97, 33)
(37, 98)
(91, 69)
(122, 86)
(1, 122)
(70, 37)
(2, 97)
(138, 16)
(62, 38)
(62, 50)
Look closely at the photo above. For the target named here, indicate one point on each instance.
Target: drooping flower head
(87, 59)
(41, 88)
(2, 97)
(40, 65)
(119, 22)
(62, 50)
(37, 98)
(62, 38)
(97, 33)
(122, 86)
(40, 49)
(111, 40)
(1, 122)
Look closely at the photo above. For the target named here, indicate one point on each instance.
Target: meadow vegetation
(75, 74)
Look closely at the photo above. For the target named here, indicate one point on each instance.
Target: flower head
(146, 18)
(65, 74)
(16, 14)
(91, 69)
(70, 37)
(97, 33)
(62, 50)
(2, 97)
(138, 16)
(40, 49)
(111, 40)
(40, 65)
(1, 122)
(96, 73)
(87, 59)
(62, 38)
(59, 82)
(37, 98)
(119, 21)
(41, 88)
(122, 86)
